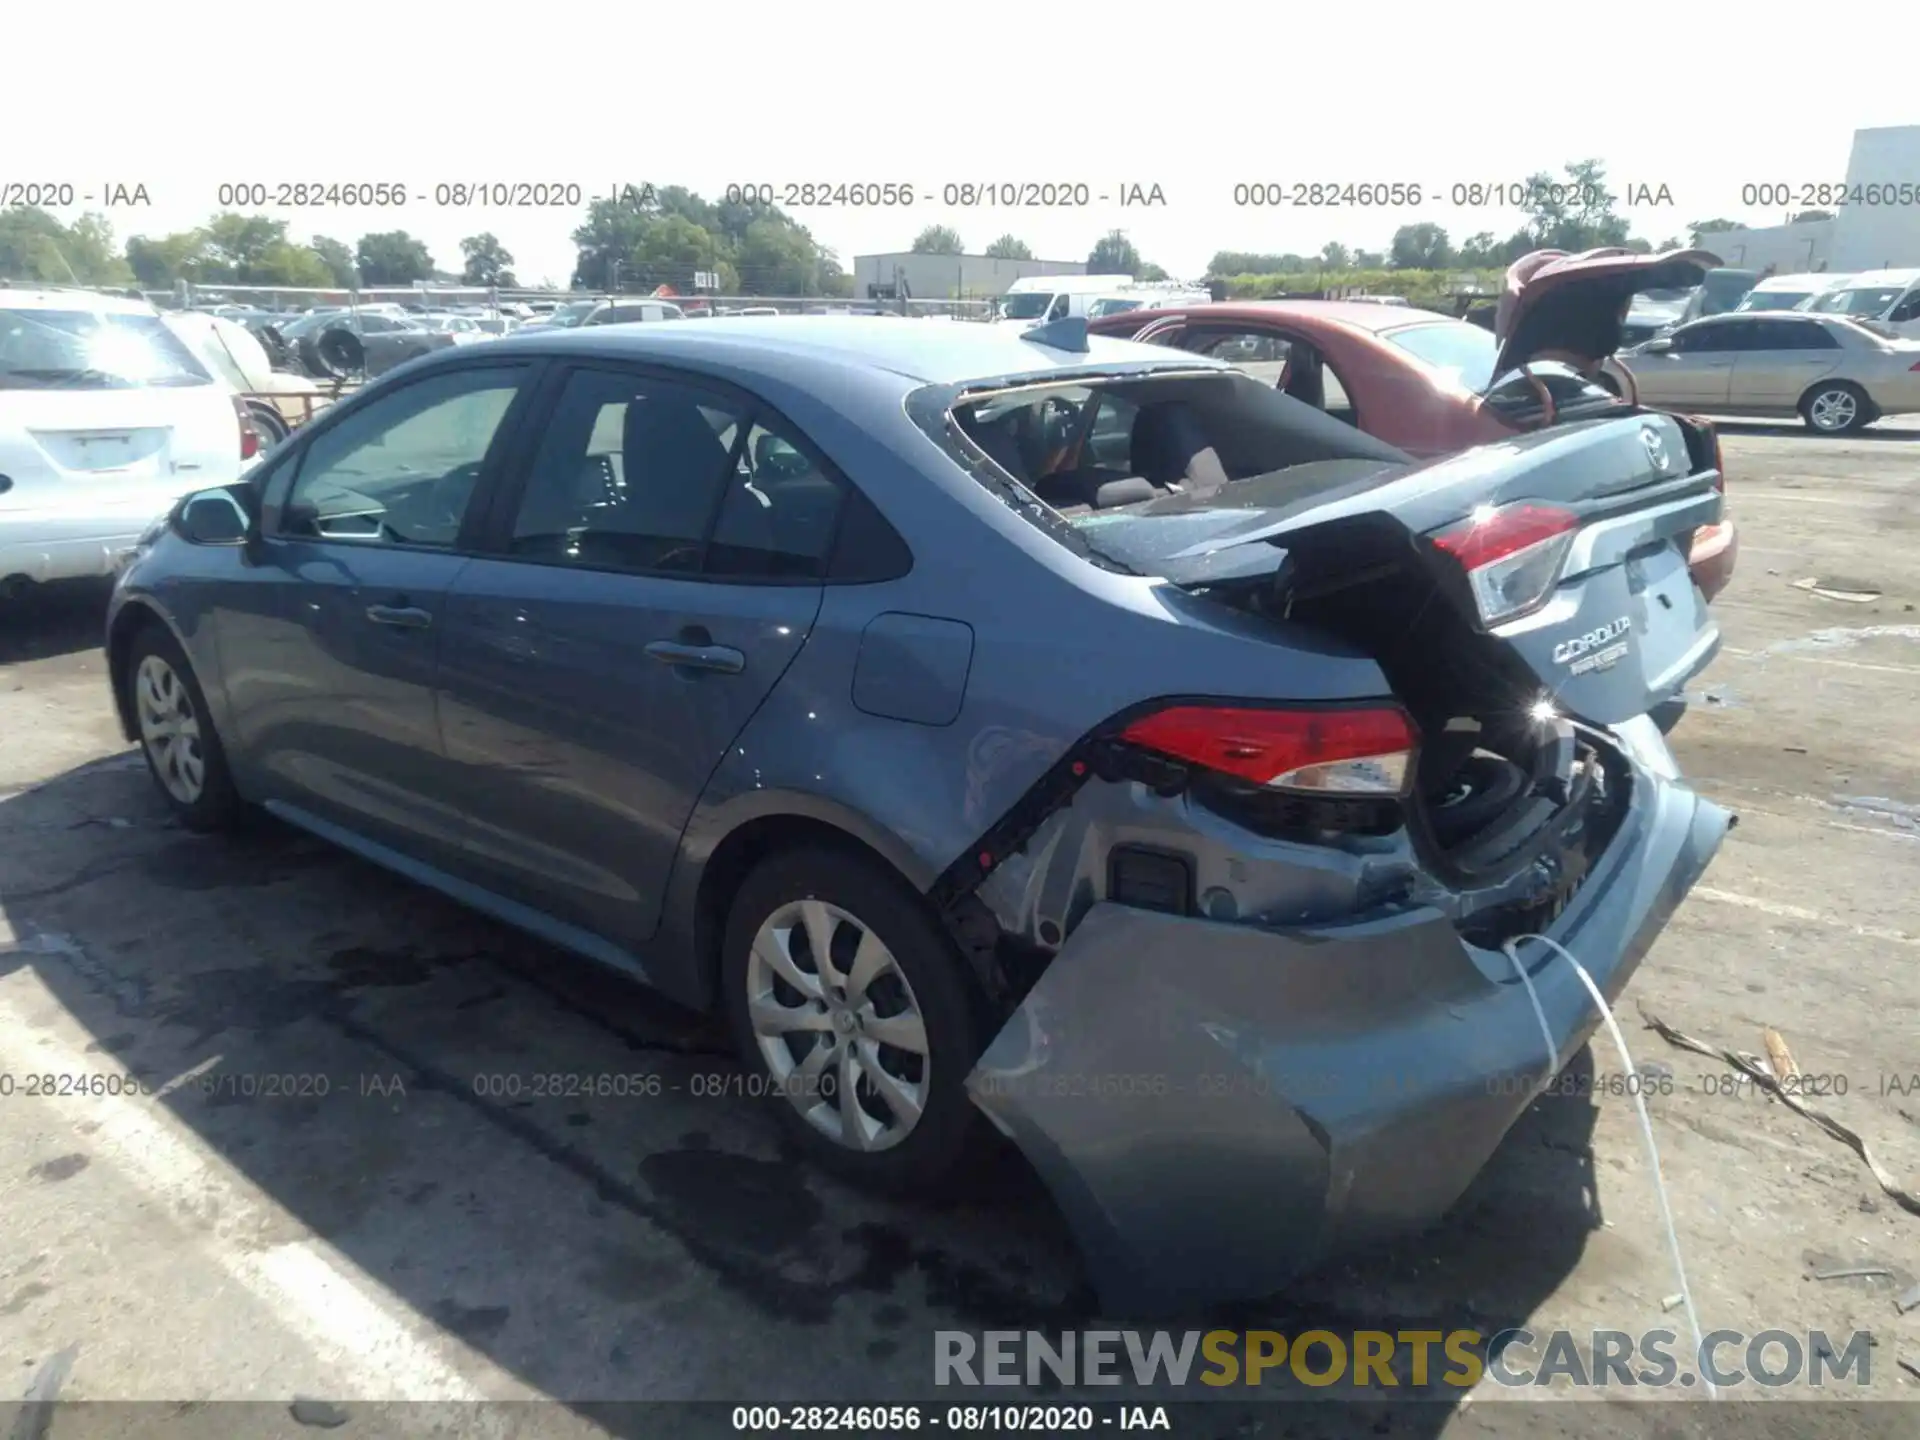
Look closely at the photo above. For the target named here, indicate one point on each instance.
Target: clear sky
(1195, 99)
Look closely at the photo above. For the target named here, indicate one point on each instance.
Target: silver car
(1836, 374)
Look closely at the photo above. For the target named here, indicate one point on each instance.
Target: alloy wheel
(838, 1026)
(1833, 410)
(169, 729)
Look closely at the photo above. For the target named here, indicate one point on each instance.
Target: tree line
(229, 249)
(644, 237)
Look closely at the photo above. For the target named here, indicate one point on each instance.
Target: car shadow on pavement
(40, 622)
(571, 1175)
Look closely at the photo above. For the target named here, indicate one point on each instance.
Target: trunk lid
(1573, 304)
(1357, 547)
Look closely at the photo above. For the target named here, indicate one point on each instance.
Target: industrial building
(1862, 235)
(948, 277)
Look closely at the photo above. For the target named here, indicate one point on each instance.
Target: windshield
(1028, 306)
(572, 314)
(84, 350)
(1872, 302)
(1772, 300)
(1463, 353)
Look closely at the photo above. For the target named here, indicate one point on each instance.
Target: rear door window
(1723, 338)
(655, 476)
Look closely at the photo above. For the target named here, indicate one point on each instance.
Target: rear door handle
(722, 658)
(404, 617)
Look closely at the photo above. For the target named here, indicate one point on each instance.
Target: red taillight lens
(1915, 365)
(1364, 751)
(249, 437)
(1512, 555)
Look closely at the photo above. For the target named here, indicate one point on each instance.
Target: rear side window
(88, 350)
(778, 519)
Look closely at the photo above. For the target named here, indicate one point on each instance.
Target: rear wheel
(269, 422)
(1836, 408)
(176, 733)
(853, 1009)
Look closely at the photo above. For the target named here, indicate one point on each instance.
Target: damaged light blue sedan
(997, 727)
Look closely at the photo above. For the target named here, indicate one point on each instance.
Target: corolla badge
(1656, 448)
(1599, 649)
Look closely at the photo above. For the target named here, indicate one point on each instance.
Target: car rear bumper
(1715, 549)
(1217, 1106)
(69, 544)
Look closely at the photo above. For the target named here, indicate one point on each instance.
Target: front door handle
(404, 617)
(722, 658)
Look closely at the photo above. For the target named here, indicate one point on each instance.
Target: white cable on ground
(1640, 1103)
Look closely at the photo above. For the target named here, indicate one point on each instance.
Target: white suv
(106, 419)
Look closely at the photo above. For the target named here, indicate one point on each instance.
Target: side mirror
(215, 518)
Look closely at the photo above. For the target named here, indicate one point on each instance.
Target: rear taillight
(1512, 555)
(1361, 751)
(249, 437)
(1915, 365)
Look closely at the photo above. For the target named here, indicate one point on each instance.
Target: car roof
(919, 349)
(1875, 279)
(11, 299)
(1750, 317)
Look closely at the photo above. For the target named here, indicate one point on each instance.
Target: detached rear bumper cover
(1217, 1106)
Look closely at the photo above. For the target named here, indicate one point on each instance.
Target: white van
(1890, 296)
(1790, 292)
(1035, 299)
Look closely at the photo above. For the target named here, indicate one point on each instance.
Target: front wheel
(853, 1008)
(176, 733)
(1836, 409)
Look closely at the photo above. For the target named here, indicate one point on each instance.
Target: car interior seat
(1170, 449)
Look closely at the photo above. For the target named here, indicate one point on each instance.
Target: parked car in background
(1145, 297)
(564, 316)
(1653, 312)
(449, 324)
(366, 344)
(106, 418)
(1788, 292)
(630, 312)
(792, 666)
(1719, 290)
(1891, 297)
(1425, 383)
(276, 400)
(1838, 375)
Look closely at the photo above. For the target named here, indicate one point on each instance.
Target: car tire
(910, 1110)
(175, 728)
(1837, 407)
(269, 423)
